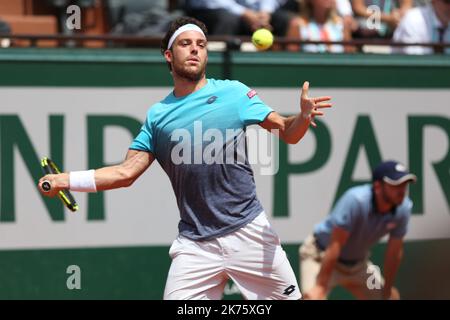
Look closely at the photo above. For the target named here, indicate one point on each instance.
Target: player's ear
(168, 55)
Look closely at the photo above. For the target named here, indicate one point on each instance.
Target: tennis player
(223, 230)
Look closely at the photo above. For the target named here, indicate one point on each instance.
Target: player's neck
(183, 87)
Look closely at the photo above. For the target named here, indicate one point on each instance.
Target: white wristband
(82, 181)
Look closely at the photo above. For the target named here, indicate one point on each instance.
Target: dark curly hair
(177, 24)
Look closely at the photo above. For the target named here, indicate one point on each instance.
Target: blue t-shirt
(199, 141)
(355, 212)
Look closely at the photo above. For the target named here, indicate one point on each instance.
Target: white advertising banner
(146, 213)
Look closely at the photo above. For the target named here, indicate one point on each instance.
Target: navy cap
(392, 172)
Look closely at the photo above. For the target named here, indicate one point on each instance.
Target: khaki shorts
(363, 279)
(252, 257)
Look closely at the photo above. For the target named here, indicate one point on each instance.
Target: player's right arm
(124, 174)
(339, 237)
(106, 178)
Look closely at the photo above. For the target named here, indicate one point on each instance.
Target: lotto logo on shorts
(289, 290)
(251, 93)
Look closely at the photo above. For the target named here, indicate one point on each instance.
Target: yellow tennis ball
(262, 39)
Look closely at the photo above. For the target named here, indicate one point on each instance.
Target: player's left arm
(292, 129)
(392, 259)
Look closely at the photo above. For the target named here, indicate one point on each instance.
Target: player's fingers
(321, 99)
(305, 89)
(318, 113)
(42, 179)
(323, 105)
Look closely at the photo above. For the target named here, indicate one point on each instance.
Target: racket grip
(46, 185)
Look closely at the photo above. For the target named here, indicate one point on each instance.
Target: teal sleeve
(144, 139)
(251, 109)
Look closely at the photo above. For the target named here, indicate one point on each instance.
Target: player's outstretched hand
(310, 107)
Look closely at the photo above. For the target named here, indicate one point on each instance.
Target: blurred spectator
(240, 17)
(62, 5)
(389, 13)
(426, 24)
(344, 9)
(318, 21)
(4, 29)
(419, 3)
(140, 17)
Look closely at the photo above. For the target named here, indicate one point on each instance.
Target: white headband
(186, 27)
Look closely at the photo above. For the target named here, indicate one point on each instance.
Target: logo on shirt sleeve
(251, 93)
(211, 99)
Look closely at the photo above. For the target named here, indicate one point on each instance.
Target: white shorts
(252, 257)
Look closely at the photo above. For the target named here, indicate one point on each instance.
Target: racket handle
(46, 185)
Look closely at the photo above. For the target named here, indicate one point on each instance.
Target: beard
(189, 73)
(392, 200)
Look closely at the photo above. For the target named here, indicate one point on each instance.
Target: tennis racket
(49, 167)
